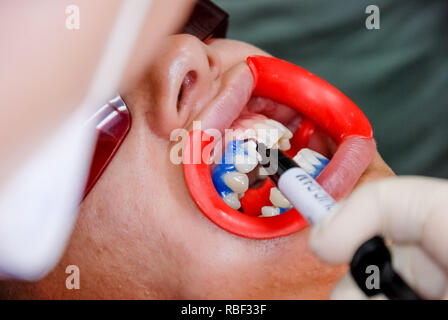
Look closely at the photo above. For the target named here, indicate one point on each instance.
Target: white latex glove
(411, 212)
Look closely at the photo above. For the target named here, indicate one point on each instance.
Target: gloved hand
(411, 212)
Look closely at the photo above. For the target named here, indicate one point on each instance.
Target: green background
(397, 75)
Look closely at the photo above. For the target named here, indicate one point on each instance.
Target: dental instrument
(314, 203)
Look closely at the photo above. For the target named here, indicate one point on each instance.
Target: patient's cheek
(140, 236)
(176, 253)
(223, 266)
(378, 169)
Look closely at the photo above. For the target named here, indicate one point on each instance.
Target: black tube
(374, 253)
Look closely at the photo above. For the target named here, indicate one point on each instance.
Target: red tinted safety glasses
(113, 120)
(112, 123)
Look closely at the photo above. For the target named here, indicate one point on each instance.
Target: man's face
(140, 235)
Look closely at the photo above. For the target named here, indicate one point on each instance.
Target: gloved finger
(413, 264)
(346, 289)
(405, 209)
(419, 270)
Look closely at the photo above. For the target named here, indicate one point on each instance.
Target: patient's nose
(184, 78)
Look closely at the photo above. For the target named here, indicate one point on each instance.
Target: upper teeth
(311, 161)
(245, 163)
(285, 132)
(273, 134)
(251, 147)
(284, 144)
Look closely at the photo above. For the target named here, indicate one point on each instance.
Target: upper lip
(235, 95)
(226, 106)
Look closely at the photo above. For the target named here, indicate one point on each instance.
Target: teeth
(245, 163)
(232, 201)
(303, 162)
(251, 148)
(268, 211)
(267, 134)
(285, 132)
(243, 156)
(312, 156)
(284, 144)
(238, 182)
(311, 161)
(273, 134)
(278, 199)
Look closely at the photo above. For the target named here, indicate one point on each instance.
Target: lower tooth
(238, 182)
(268, 211)
(278, 199)
(232, 201)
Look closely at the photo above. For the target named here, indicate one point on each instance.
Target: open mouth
(297, 112)
(241, 180)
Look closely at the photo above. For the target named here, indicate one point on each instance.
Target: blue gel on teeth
(319, 167)
(234, 148)
(219, 172)
(225, 166)
(283, 209)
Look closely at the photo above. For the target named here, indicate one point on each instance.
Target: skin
(47, 68)
(139, 234)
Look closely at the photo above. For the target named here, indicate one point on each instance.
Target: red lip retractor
(320, 104)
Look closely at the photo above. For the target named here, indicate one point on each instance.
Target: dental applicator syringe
(313, 202)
